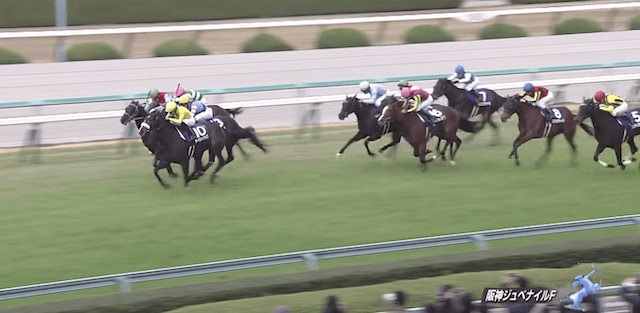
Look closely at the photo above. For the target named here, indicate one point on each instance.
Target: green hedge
(93, 51)
(501, 31)
(341, 38)
(179, 47)
(427, 33)
(634, 24)
(577, 26)
(265, 42)
(624, 249)
(10, 57)
(92, 12)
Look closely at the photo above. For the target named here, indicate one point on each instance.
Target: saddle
(484, 95)
(553, 115)
(630, 120)
(194, 134)
(431, 117)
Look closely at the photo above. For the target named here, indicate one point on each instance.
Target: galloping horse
(176, 150)
(609, 133)
(367, 124)
(414, 130)
(459, 100)
(136, 112)
(532, 124)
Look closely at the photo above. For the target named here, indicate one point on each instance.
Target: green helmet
(154, 93)
(403, 83)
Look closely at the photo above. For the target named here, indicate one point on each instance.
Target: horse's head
(132, 112)
(392, 107)
(511, 105)
(348, 106)
(153, 121)
(442, 87)
(586, 109)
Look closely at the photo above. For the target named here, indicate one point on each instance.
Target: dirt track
(230, 41)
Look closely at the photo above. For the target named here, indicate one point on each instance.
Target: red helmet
(599, 96)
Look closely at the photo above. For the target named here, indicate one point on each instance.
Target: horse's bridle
(135, 112)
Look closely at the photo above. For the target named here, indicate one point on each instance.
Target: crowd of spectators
(457, 300)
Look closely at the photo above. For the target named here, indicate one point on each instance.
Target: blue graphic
(587, 287)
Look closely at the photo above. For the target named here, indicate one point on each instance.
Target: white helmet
(364, 86)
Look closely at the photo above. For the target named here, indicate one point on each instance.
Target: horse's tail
(250, 133)
(234, 112)
(469, 126)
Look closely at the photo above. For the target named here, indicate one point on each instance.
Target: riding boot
(478, 96)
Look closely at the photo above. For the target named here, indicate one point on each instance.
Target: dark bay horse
(136, 112)
(415, 132)
(533, 125)
(368, 126)
(234, 133)
(459, 101)
(176, 150)
(608, 133)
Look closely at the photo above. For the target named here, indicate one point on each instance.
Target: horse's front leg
(366, 145)
(185, 171)
(619, 157)
(522, 138)
(422, 151)
(358, 136)
(159, 165)
(394, 141)
(596, 156)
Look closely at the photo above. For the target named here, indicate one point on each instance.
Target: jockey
(196, 96)
(180, 116)
(421, 101)
(156, 98)
(540, 96)
(201, 112)
(185, 101)
(465, 80)
(378, 92)
(612, 104)
(404, 83)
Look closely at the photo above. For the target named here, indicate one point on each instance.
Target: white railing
(480, 238)
(475, 16)
(305, 100)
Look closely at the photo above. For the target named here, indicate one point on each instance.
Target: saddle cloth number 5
(200, 131)
(636, 116)
(557, 113)
(435, 112)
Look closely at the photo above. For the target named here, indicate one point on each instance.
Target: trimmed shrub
(10, 57)
(342, 37)
(577, 26)
(93, 51)
(427, 33)
(496, 31)
(179, 47)
(265, 42)
(635, 23)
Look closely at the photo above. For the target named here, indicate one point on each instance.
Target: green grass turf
(90, 211)
(368, 298)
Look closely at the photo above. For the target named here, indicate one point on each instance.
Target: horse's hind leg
(596, 155)
(452, 152)
(618, 150)
(185, 171)
(630, 158)
(170, 171)
(221, 163)
(253, 137)
(245, 155)
(229, 147)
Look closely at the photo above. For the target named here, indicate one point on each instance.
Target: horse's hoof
(633, 159)
(517, 163)
(453, 163)
(173, 175)
(626, 162)
(213, 179)
(622, 167)
(372, 154)
(166, 186)
(611, 166)
(338, 155)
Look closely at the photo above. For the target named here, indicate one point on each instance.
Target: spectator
(333, 306)
(396, 301)
(282, 309)
(633, 299)
(454, 300)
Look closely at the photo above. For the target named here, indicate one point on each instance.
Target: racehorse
(532, 124)
(136, 112)
(414, 130)
(458, 100)
(176, 150)
(609, 133)
(368, 127)
(234, 133)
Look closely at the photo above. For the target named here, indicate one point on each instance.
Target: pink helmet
(599, 96)
(179, 92)
(406, 92)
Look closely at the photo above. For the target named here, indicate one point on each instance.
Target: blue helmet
(528, 87)
(459, 69)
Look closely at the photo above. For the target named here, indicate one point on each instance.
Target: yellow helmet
(184, 99)
(171, 106)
